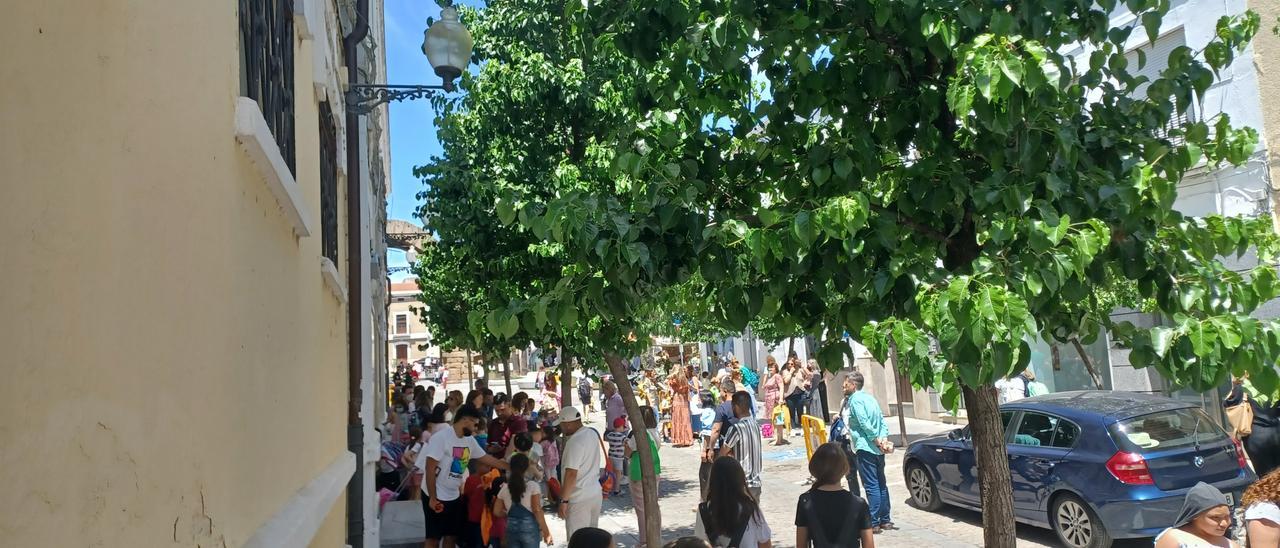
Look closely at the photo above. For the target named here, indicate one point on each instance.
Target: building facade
(408, 339)
(176, 274)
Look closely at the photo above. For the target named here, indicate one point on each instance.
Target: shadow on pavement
(1029, 533)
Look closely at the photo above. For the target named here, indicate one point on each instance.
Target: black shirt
(834, 509)
(725, 418)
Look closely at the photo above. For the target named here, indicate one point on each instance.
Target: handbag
(608, 474)
(1240, 416)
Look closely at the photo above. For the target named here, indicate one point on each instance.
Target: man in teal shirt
(869, 437)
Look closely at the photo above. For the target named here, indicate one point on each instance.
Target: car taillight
(1129, 468)
(1240, 454)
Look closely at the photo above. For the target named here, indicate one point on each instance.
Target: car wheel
(924, 493)
(1076, 524)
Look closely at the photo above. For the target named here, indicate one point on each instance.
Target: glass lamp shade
(447, 45)
(411, 256)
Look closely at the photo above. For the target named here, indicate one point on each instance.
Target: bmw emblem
(1199, 462)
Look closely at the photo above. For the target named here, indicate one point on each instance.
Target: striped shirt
(744, 440)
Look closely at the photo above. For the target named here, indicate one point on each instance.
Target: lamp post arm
(363, 98)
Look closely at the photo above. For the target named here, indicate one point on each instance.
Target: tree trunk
(998, 527)
(566, 380)
(899, 376)
(1088, 363)
(506, 374)
(648, 480)
(471, 376)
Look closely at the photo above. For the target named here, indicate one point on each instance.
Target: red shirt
(501, 432)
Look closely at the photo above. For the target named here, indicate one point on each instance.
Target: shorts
(447, 523)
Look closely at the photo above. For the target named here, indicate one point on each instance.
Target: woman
(793, 378)
(681, 423)
(1263, 442)
(812, 397)
(452, 402)
(828, 514)
(633, 456)
(1203, 521)
(731, 517)
(522, 507)
(1261, 503)
(772, 395)
(475, 398)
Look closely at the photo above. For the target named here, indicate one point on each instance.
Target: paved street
(784, 475)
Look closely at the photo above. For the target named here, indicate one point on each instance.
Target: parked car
(1091, 465)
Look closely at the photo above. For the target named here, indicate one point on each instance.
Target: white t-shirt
(583, 453)
(453, 455)
(757, 531)
(1262, 510)
(526, 500)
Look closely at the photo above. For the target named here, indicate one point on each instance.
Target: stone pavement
(785, 473)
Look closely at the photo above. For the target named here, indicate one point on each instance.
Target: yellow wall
(1266, 57)
(174, 367)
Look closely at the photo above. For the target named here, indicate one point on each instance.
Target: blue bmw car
(1092, 465)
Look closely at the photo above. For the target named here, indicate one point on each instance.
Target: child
(617, 438)
(521, 505)
(708, 417)
(523, 444)
(482, 432)
(551, 462)
(476, 491)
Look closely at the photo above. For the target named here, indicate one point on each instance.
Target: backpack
(704, 511)
(819, 537)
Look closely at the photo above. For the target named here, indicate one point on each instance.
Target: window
(266, 66)
(328, 184)
(1039, 430)
(402, 324)
(402, 353)
(1166, 430)
(1157, 56)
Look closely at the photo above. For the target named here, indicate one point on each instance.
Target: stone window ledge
(258, 144)
(332, 280)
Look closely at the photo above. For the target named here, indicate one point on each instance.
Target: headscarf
(1200, 499)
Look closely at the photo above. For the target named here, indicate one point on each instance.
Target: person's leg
(870, 479)
(428, 521)
(704, 473)
(854, 486)
(755, 492)
(883, 482)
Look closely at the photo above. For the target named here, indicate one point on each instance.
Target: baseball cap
(568, 413)
(620, 421)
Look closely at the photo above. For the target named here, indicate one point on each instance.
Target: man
(846, 442)
(584, 393)
(444, 461)
(503, 429)
(725, 418)
(743, 441)
(870, 437)
(580, 495)
(613, 406)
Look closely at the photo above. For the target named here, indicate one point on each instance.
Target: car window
(1066, 434)
(1167, 429)
(1041, 430)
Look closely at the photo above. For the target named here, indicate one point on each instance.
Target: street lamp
(447, 45)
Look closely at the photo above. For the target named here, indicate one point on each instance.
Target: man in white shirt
(581, 497)
(445, 460)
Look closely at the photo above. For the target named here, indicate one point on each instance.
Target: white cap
(568, 413)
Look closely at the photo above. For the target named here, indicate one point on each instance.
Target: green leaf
(1151, 22)
(843, 166)
(506, 211)
(1161, 338)
(821, 174)
(1190, 296)
(1012, 69)
(803, 228)
(1202, 337)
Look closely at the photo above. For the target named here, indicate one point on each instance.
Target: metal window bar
(328, 183)
(266, 55)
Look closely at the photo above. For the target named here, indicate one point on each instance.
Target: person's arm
(868, 539)
(566, 490)
(802, 537)
(536, 502)
(1168, 539)
(1263, 532)
(495, 462)
(429, 479)
(726, 448)
(715, 435)
(862, 415)
(499, 507)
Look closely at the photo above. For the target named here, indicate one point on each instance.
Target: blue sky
(413, 131)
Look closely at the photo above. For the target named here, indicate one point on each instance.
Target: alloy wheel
(919, 486)
(1074, 525)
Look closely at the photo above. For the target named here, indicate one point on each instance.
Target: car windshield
(1166, 430)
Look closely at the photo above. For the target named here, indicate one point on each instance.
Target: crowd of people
(487, 467)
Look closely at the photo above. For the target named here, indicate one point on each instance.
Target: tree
(915, 170)
(529, 128)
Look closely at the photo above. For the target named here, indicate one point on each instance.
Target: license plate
(1231, 499)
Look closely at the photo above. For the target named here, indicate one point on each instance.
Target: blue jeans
(871, 468)
(523, 532)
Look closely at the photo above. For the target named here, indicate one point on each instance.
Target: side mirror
(956, 434)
